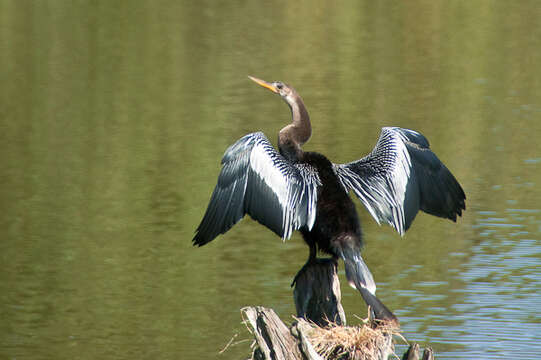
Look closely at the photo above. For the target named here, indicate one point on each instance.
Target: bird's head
(300, 130)
(278, 87)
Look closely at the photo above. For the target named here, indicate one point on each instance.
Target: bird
(292, 189)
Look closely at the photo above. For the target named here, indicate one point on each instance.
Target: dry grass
(367, 341)
(362, 342)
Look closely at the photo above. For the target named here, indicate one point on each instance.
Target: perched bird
(291, 189)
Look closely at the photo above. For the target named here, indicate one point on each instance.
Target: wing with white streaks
(257, 180)
(400, 177)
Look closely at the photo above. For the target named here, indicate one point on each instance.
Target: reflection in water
(114, 117)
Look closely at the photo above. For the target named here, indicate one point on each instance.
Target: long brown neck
(294, 135)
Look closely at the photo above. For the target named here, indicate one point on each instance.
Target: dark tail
(381, 312)
(360, 277)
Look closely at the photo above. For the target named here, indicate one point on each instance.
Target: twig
(228, 344)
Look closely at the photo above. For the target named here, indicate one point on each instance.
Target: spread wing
(400, 177)
(257, 180)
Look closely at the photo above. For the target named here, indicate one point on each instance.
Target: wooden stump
(272, 336)
(317, 293)
(304, 340)
(413, 353)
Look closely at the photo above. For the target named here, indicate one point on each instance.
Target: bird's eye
(279, 86)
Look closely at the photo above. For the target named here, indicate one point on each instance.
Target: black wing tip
(461, 200)
(458, 209)
(198, 244)
(198, 240)
(448, 204)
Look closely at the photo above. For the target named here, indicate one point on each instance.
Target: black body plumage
(335, 214)
(295, 190)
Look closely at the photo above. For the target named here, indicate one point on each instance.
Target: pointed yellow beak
(264, 84)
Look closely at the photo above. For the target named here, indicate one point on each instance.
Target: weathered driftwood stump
(413, 353)
(304, 340)
(274, 340)
(317, 293)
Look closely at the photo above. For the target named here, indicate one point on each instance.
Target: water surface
(114, 117)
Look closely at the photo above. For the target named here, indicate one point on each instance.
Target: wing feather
(400, 177)
(257, 180)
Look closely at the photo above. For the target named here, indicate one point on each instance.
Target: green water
(113, 120)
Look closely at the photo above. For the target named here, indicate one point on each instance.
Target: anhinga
(295, 190)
